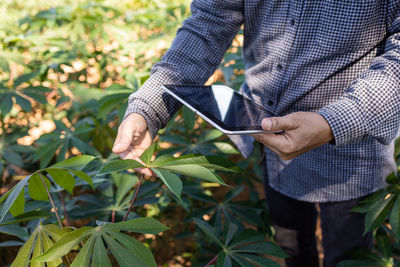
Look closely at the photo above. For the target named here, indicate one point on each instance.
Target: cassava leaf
(120, 165)
(172, 181)
(75, 163)
(63, 178)
(148, 153)
(395, 218)
(144, 225)
(65, 244)
(11, 196)
(36, 188)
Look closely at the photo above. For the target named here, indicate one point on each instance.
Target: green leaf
(384, 244)
(37, 250)
(211, 162)
(392, 178)
(124, 183)
(148, 153)
(143, 225)
(206, 228)
(36, 188)
(45, 153)
(14, 230)
(265, 248)
(11, 196)
(226, 148)
(377, 212)
(100, 257)
(195, 171)
(75, 163)
(27, 216)
(6, 104)
(24, 252)
(210, 135)
(120, 165)
(188, 118)
(25, 78)
(395, 218)
(62, 178)
(172, 181)
(12, 157)
(24, 103)
(121, 254)
(18, 207)
(231, 232)
(65, 244)
(137, 250)
(83, 258)
(83, 176)
(47, 244)
(223, 260)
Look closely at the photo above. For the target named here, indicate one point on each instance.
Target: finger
(279, 143)
(146, 171)
(275, 124)
(124, 138)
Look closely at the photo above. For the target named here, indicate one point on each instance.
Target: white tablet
(227, 110)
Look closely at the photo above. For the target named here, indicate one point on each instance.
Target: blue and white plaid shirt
(340, 58)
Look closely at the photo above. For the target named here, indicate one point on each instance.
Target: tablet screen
(222, 105)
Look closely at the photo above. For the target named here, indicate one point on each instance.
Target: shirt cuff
(142, 108)
(345, 120)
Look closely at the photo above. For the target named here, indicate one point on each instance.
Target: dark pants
(295, 223)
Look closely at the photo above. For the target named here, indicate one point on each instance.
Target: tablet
(227, 110)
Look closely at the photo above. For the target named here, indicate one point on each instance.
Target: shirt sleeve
(370, 106)
(195, 53)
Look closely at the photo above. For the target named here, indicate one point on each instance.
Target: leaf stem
(64, 210)
(134, 196)
(212, 261)
(51, 200)
(113, 216)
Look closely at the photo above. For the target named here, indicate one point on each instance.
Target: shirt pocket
(350, 25)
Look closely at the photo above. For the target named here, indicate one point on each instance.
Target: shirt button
(279, 66)
(270, 102)
(292, 22)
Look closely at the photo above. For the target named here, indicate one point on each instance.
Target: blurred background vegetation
(66, 71)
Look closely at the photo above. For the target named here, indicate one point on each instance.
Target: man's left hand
(300, 132)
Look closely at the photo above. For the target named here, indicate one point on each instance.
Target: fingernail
(117, 147)
(266, 124)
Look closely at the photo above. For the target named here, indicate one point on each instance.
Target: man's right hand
(133, 139)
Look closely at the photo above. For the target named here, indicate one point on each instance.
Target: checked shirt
(339, 58)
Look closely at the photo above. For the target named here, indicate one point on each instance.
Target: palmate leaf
(14, 201)
(246, 247)
(125, 249)
(42, 238)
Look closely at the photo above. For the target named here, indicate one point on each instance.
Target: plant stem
(113, 216)
(64, 210)
(134, 196)
(51, 200)
(212, 261)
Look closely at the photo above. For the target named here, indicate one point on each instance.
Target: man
(331, 69)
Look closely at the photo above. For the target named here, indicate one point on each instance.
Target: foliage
(66, 71)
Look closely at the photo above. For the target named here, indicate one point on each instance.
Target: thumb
(124, 138)
(276, 124)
